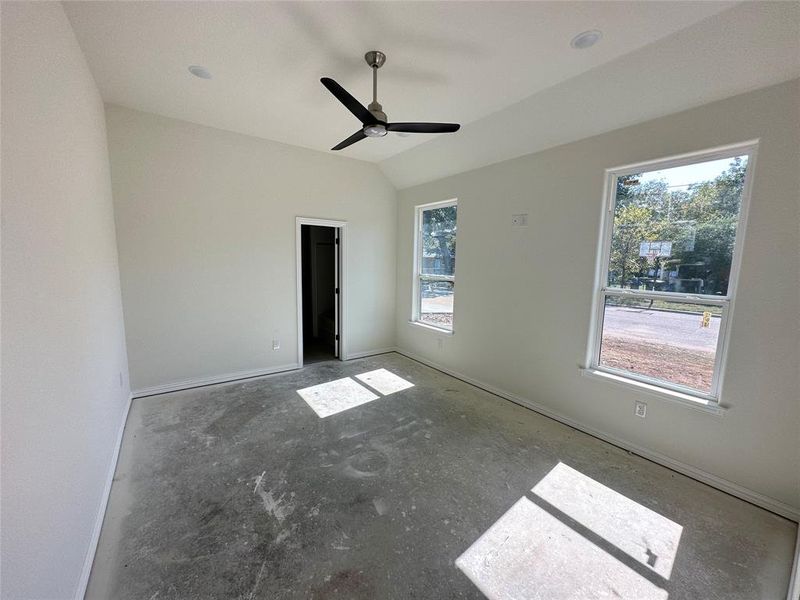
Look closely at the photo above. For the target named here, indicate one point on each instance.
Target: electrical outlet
(276, 344)
(640, 410)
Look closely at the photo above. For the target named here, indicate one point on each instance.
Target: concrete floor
(435, 491)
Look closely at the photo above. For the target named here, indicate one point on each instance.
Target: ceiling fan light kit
(373, 119)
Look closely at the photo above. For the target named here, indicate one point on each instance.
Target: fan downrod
(375, 60)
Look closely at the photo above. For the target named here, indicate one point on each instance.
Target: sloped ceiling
(750, 46)
(504, 70)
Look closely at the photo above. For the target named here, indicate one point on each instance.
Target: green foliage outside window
(699, 220)
(439, 240)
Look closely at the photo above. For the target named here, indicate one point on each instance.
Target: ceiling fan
(372, 117)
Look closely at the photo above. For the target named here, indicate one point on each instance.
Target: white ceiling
(447, 61)
(750, 46)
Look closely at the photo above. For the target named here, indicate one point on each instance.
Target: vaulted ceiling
(505, 70)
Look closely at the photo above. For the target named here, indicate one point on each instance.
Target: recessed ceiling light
(586, 39)
(200, 71)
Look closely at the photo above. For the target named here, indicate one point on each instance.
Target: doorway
(319, 293)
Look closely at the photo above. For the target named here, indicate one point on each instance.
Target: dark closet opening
(320, 293)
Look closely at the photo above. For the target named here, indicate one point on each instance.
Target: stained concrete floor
(243, 491)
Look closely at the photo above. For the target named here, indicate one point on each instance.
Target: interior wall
(64, 371)
(206, 234)
(524, 295)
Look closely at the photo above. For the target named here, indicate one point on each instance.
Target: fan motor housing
(376, 130)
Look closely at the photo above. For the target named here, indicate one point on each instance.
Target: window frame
(726, 303)
(417, 271)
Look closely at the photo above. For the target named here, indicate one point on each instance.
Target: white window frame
(602, 291)
(417, 274)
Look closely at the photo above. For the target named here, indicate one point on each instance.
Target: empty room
(376, 300)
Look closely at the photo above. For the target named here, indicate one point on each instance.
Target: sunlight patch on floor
(333, 397)
(573, 537)
(639, 532)
(385, 382)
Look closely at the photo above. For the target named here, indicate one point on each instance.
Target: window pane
(670, 341)
(436, 303)
(674, 229)
(438, 241)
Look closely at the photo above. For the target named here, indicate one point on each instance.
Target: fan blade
(356, 137)
(423, 127)
(353, 105)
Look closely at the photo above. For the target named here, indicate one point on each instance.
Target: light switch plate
(520, 220)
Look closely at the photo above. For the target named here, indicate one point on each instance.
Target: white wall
(206, 232)
(524, 297)
(63, 346)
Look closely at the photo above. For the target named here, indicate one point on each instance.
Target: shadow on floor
(317, 350)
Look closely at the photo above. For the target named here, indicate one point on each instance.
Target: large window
(435, 264)
(671, 247)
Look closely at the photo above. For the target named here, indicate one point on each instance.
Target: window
(671, 246)
(435, 264)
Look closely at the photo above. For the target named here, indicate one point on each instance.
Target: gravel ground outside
(437, 319)
(692, 368)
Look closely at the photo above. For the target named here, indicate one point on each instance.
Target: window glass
(436, 303)
(674, 229)
(436, 265)
(439, 241)
(666, 281)
(670, 341)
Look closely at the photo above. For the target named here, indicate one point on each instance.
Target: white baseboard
(719, 483)
(187, 384)
(203, 381)
(354, 355)
(83, 582)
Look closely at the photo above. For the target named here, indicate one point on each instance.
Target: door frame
(341, 262)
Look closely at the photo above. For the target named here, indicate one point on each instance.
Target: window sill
(687, 400)
(431, 328)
